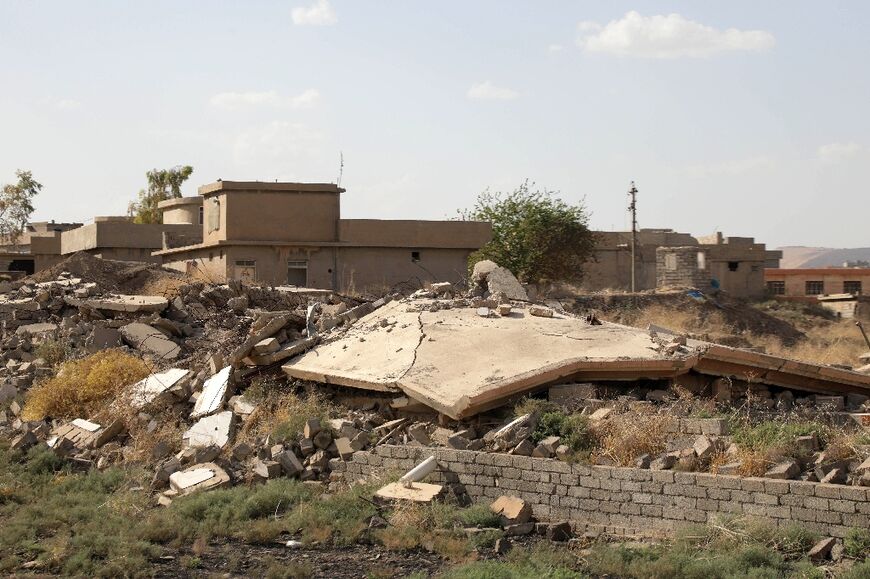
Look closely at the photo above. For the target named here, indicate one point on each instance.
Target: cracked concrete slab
(460, 364)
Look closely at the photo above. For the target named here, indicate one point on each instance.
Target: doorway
(297, 273)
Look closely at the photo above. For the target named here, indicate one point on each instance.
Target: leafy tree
(16, 205)
(536, 235)
(162, 184)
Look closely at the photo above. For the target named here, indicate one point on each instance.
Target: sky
(745, 117)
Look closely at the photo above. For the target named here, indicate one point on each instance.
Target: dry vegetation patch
(84, 387)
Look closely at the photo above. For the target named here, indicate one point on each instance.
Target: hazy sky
(752, 118)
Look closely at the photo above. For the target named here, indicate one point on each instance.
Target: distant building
(293, 234)
(811, 283)
(667, 258)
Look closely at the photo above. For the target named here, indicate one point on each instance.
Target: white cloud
(320, 13)
(61, 104)
(238, 100)
(305, 99)
(488, 91)
(671, 36)
(838, 152)
(278, 145)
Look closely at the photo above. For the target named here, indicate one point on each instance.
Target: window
(702, 261)
(776, 288)
(815, 288)
(415, 256)
(852, 287)
(297, 273)
(245, 270)
(201, 213)
(670, 262)
(733, 265)
(214, 214)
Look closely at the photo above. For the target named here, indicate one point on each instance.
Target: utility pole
(632, 206)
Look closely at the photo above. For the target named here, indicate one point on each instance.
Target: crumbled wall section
(683, 268)
(625, 501)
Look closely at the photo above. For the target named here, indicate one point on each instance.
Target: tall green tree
(16, 206)
(536, 235)
(162, 184)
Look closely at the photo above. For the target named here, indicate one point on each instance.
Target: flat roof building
(293, 234)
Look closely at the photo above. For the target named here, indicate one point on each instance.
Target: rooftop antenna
(340, 166)
(632, 207)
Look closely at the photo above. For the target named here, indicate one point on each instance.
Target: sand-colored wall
(205, 264)
(415, 233)
(281, 216)
(373, 269)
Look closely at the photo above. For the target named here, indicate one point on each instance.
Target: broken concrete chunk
(322, 439)
(541, 311)
(822, 549)
(559, 531)
(504, 309)
(512, 510)
(665, 462)
(704, 448)
(211, 430)
(419, 434)
(784, 470)
(267, 469)
(84, 434)
(23, 441)
(344, 448)
(200, 477)
(155, 387)
(266, 346)
(213, 395)
(524, 448)
(151, 340)
(418, 492)
(290, 463)
(497, 279)
(601, 414)
(441, 288)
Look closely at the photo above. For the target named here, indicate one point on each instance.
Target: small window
(671, 262)
(815, 288)
(702, 261)
(733, 265)
(852, 287)
(776, 288)
(201, 213)
(297, 273)
(415, 256)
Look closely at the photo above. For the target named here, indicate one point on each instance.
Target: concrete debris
(213, 395)
(784, 470)
(156, 387)
(822, 549)
(150, 341)
(492, 279)
(418, 493)
(512, 510)
(198, 478)
(211, 431)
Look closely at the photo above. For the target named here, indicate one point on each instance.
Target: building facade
(812, 283)
(664, 257)
(293, 234)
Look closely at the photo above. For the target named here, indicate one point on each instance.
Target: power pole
(632, 206)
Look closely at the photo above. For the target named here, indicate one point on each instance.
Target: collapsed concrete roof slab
(461, 364)
(122, 303)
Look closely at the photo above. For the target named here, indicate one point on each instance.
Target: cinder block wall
(686, 273)
(625, 501)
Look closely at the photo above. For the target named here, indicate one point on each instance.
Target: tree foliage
(162, 184)
(535, 234)
(16, 206)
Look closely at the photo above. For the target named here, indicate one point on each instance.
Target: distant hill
(807, 257)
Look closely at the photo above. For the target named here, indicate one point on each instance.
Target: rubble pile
(435, 368)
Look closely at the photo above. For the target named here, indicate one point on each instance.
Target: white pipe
(419, 472)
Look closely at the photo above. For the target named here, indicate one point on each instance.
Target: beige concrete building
(666, 257)
(293, 234)
(811, 283)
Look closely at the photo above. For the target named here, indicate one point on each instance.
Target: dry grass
(82, 388)
(683, 321)
(282, 413)
(625, 437)
(826, 343)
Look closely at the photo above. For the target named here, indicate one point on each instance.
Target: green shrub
(573, 429)
(857, 543)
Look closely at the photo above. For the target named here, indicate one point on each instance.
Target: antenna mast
(632, 207)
